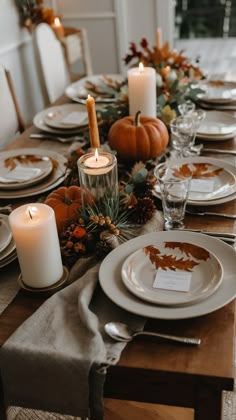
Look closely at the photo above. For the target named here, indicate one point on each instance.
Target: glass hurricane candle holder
(98, 177)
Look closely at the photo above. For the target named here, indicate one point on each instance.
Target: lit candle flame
(32, 211)
(140, 67)
(96, 154)
(57, 21)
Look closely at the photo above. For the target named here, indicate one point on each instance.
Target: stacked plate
(217, 126)
(170, 275)
(218, 94)
(213, 180)
(104, 88)
(28, 172)
(7, 243)
(62, 120)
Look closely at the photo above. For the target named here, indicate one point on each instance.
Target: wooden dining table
(150, 370)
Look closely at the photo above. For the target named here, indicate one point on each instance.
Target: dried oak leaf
(11, 162)
(189, 249)
(168, 262)
(199, 170)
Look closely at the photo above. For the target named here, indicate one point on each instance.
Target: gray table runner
(57, 359)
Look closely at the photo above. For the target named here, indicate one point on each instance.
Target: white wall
(111, 25)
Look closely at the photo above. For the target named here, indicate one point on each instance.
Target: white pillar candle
(142, 91)
(37, 244)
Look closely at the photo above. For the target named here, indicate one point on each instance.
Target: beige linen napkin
(57, 359)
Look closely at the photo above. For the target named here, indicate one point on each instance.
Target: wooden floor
(128, 410)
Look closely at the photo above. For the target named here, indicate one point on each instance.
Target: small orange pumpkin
(138, 138)
(65, 201)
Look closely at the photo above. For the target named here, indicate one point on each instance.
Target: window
(205, 18)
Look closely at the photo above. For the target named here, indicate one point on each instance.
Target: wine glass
(182, 134)
(197, 116)
(186, 108)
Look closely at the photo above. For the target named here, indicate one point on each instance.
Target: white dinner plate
(113, 286)
(224, 195)
(11, 257)
(217, 125)
(66, 117)
(39, 122)
(209, 181)
(217, 91)
(172, 273)
(5, 232)
(21, 170)
(55, 178)
(219, 137)
(104, 88)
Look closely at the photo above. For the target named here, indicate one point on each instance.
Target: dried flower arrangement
(33, 12)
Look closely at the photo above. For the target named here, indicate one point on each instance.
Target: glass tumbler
(174, 189)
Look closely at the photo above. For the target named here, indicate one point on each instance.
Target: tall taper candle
(159, 38)
(93, 125)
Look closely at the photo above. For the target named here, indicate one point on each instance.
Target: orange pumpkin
(65, 201)
(139, 138)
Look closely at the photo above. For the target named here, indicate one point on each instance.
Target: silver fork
(211, 213)
(58, 138)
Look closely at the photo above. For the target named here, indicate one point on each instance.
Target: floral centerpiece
(175, 75)
(33, 12)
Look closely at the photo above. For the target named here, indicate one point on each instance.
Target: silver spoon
(121, 332)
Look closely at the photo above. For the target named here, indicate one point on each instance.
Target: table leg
(208, 403)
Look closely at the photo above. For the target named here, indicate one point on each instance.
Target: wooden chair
(55, 58)
(53, 71)
(76, 47)
(11, 121)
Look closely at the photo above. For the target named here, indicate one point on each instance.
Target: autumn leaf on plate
(197, 170)
(168, 262)
(11, 162)
(189, 249)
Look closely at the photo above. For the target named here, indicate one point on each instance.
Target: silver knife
(226, 152)
(230, 237)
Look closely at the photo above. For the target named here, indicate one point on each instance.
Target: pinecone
(142, 189)
(143, 210)
(102, 248)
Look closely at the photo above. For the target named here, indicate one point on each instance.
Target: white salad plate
(66, 117)
(217, 91)
(103, 87)
(22, 170)
(39, 122)
(55, 178)
(172, 273)
(113, 286)
(223, 188)
(5, 232)
(217, 126)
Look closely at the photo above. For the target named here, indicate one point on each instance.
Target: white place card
(202, 185)
(19, 174)
(75, 118)
(179, 281)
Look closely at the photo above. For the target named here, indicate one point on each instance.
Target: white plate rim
(46, 185)
(188, 299)
(216, 116)
(112, 285)
(5, 220)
